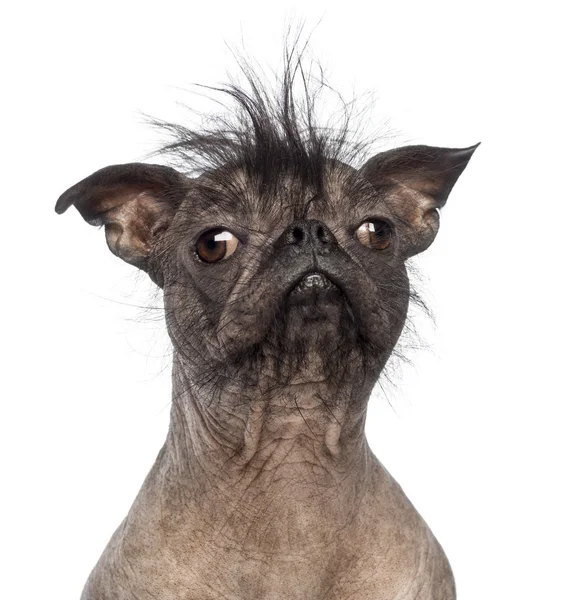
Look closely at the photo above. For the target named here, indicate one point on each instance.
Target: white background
(483, 429)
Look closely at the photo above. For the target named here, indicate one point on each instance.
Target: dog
(283, 271)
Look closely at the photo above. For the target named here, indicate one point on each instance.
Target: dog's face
(289, 281)
(285, 279)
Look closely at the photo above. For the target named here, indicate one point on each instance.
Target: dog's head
(281, 260)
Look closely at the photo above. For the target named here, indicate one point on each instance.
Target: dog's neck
(279, 470)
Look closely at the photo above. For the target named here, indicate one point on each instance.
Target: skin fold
(266, 486)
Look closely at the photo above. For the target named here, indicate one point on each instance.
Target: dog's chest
(403, 572)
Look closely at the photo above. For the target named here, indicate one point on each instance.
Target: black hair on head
(270, 131)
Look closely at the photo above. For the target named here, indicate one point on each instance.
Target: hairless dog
(283, 270)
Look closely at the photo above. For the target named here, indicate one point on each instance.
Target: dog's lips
(314, 288)
(313, 282)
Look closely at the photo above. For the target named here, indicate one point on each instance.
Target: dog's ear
(136, 202)
(416, 182)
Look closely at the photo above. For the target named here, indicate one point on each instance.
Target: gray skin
(266, 486)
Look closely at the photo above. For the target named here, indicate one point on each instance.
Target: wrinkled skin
(266, 486)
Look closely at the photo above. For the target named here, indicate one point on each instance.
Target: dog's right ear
(136, 202)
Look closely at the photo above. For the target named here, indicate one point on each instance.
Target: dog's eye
(216, 245)
(375, 234)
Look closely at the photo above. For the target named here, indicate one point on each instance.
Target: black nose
(311, 233)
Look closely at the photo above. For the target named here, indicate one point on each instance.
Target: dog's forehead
(285, 198)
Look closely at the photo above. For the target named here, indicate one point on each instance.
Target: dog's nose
(311, 233)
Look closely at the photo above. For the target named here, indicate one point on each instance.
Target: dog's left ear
(136, 202)
(416, 182)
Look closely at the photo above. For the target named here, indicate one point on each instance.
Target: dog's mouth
(314, 287)
(313, 282)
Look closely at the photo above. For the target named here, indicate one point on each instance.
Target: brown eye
(375, 234)
(216, 245)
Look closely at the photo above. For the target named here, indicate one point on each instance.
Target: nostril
(322, 234)
(298, 235)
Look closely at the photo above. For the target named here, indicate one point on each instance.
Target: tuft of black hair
(272, 131)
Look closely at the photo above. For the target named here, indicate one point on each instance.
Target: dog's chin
(312, 321)
(317, 303)
(318, 339)
(311, 334)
